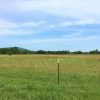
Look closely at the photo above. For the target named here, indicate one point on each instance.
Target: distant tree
(78, 52)
(41, 52)
(17, 50)
(95, 52)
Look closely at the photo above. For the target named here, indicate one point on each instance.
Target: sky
(50, 24)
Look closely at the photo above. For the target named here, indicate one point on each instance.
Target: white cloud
(79, 22)
(15, 32)
(8, 6)
(7, 24)
(32, 24)
(4, 24)
(67, 8)
(13, 28)
(79, 9)
(40, 5)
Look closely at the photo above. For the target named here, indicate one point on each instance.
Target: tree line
(18, 50)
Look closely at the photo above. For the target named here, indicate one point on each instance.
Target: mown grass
(34, 77)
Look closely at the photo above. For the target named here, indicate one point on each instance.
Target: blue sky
(50, 24)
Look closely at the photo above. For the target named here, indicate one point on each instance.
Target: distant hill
(14, 50)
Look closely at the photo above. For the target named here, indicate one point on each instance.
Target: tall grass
(34, 77)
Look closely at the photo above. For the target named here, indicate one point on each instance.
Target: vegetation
(14, 50)
(18, 50)
(34, 77)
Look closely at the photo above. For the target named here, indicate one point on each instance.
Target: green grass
(34, 77)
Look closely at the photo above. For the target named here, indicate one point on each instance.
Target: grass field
(34, 77)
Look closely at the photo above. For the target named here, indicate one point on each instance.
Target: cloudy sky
(50, 24)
